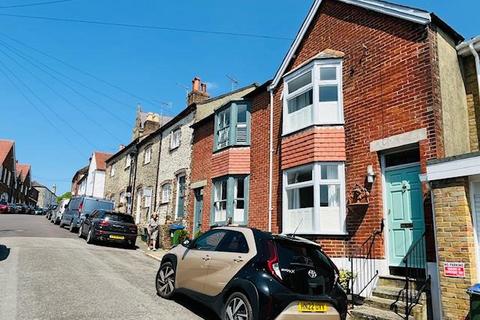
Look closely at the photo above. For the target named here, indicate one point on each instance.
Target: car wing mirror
(187, 243)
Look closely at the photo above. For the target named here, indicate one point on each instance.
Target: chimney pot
(196, 84)
(204, 87)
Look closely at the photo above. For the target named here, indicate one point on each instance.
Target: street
(49, 273)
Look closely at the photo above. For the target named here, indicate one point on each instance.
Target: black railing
(363, 266)
(417, 280)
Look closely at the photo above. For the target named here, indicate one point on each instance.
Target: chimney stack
(198, 93)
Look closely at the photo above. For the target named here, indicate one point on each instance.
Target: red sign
(454, 269)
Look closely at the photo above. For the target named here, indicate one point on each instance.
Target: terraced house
(7, 170)
(336, 147)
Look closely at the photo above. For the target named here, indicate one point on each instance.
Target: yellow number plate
(117, 237)
(312, 307)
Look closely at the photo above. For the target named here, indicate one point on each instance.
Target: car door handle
(237, 260)
(206, 258)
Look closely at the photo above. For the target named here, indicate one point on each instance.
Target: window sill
(324, 233)
(174, 148)
(292, 132)
(230, 147)
(164, 203)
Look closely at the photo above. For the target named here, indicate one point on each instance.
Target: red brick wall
(231, 161)
(388, 89)
(315, 144)
(201, 169)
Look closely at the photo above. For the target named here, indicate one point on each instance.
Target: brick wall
(473, 103)
(231, 161)
(456, 243)
(315, 144)
(388, 89)
(201, 170)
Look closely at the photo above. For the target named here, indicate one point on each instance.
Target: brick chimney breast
(198, 93)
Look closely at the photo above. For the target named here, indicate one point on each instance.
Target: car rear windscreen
(118, 217)
(91, 204)
(304, 268)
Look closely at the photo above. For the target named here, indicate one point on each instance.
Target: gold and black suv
(246, 274)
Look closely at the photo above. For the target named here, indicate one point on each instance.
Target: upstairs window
(128, 161)
(112, 170)
(232, 125)
(148, 155)
(313, 95)
(175, 138)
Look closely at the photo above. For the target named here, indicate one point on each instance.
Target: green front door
(405, 211)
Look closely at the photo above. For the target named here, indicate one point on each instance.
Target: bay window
(232, 125)
(230, 200)
(313, 95)
(314, 199)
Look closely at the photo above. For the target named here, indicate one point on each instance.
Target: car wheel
(80, 231)
(70, 227)
(237, 307)
(90, 236)
(61, 224)
(165, 281)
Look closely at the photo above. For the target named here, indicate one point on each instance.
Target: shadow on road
(4, 252)
(197, 308)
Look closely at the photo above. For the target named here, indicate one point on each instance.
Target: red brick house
(7, 170)
(339, 140)
(23, 184)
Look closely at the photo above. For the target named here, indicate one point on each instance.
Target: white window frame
(147, 157)
(166, 196)
(315, 220)
(313, 114)
(112, 170)
(218, 198)
(147, 197)
(128, 161)
(175, 138)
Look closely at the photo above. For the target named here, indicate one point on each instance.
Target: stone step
(391, 281)
(369, 313)
(384, 304)
(390, 293)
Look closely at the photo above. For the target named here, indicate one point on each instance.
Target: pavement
(49, 273)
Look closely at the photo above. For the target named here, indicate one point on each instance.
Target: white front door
(138, 210)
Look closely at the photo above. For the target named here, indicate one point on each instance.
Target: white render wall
(173, 162)
(95, 184)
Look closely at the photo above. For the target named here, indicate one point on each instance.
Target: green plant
(197, 234)
(179, 236)
(344, 279)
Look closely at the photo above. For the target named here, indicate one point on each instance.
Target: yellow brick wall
(455, 243)
(473, 103)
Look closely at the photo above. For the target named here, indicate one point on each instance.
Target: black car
(244, 273)
(102, 225)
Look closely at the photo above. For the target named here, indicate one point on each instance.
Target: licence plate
(112, 236)
(312, 307)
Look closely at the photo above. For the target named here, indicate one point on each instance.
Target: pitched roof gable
(100, 160)
(5, 147)
(22, 170)
(391, 9)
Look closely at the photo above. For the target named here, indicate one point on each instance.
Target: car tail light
(133, 229)
(104, 223)
(80, 209)
(272, 261)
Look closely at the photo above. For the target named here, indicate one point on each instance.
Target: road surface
(49, 273)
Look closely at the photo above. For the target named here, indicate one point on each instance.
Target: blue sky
(153, 65)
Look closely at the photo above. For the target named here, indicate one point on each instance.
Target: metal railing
(417, 280)
(363, 265)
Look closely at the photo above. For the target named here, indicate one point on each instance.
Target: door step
(369, 313)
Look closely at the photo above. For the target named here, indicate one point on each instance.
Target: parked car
(31, 209)
(39, 211)
(4, 207)
(244, 273)
(108, 226)
(79, 206)
(57, 213)
(49, 210)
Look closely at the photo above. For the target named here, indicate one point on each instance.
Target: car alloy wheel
(237, 308)
(70, 227)
(90, 236)
(165, 282)
(80, 231)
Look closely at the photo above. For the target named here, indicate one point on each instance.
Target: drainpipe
(270, 169)
(477, 63)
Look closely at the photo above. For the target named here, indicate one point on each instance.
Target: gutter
(270, 166)
(477, 62)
